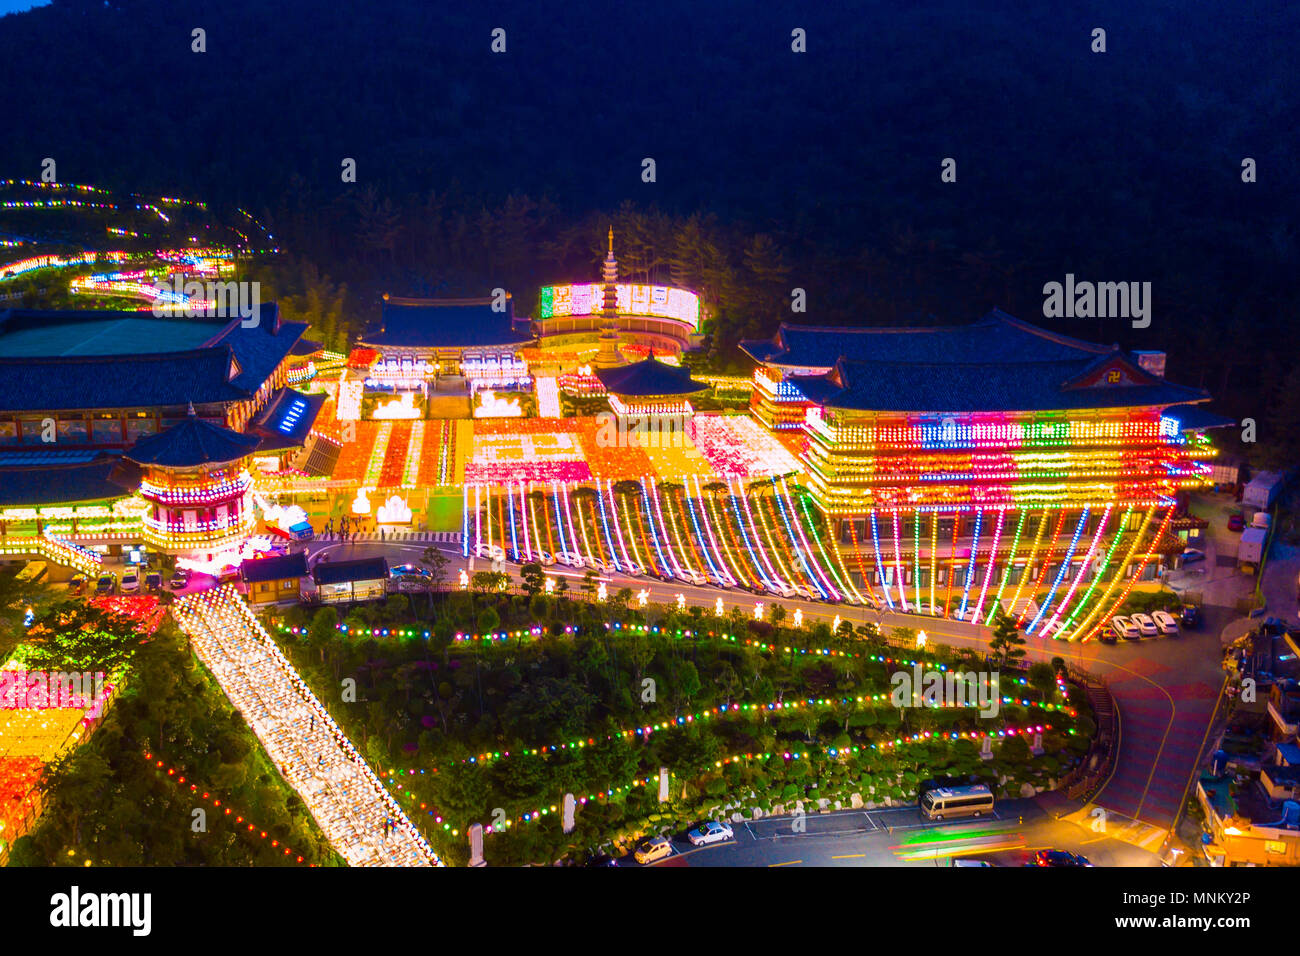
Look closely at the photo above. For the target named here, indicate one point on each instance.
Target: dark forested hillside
(774, 169)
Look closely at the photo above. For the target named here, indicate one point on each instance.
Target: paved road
(900, 837)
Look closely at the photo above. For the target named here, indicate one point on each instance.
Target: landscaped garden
(169, 745)
(484, 707)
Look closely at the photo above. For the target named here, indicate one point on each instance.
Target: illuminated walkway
(362, 822)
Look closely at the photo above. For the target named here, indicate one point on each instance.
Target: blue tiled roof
(192, 442)
(231, 366)
(1193, 418)
(46, 457)
(984, 386)
(59, 485)
(997, 336)
(996, 364)
(649, 377)
(278, 568)
(445, 323)
(342, 572)
(287, 419)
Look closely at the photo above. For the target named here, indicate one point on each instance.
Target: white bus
(947, 802)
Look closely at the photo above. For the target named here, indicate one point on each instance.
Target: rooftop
(445, 323)
(51, 361)
(191, 443)
(278, 568)
(939, 369)
(999, 336)
(287, 419)
(59, 484)
(343, 572)
(1194, 418)
(40, 335)
(647, 378)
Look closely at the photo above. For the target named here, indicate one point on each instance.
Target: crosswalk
(432, 537)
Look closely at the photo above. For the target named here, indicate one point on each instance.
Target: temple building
(649, 388)
(983, 460)
(418, 338)
(102, 380)
(197, 488)
(89, 398)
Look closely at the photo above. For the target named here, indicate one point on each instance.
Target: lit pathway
(548, 398)
(310, 750)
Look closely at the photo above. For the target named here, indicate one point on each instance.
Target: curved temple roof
(996, 364)
(649, 377)
(445, 323)
(191, 443)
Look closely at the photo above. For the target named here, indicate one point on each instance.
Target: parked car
(1193, 555)
(544, 558)
(1236, 522)
(1165, 622)
(694, 577)
(653, 850)
(1146, 625)
(179, 580)
(569, 559)
(106, 584)
(1058, 858)
(410, 577)
(1108, 634)
(153, 581)
(710, 831)
(77, 584)
(782, 589)
(492, 552)
(967, 861)
(1126, 628)
(807, 593)
(130, 581)
(1190, 616)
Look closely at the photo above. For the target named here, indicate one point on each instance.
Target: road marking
(848, 856)
(788, 863)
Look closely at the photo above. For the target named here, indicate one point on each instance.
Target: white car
(631, 569)
(927, 609)
(695, 578)
(1165, 622)
(711, 831)
(1057, 630)
(1146, 625)
(653, 849)
(570, 559)
(1126, 628)
(493, 552)
(130, 581)
(807, 593)
(782, 589)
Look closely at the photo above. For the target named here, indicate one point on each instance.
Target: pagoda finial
(611, 241)
(191, 410)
